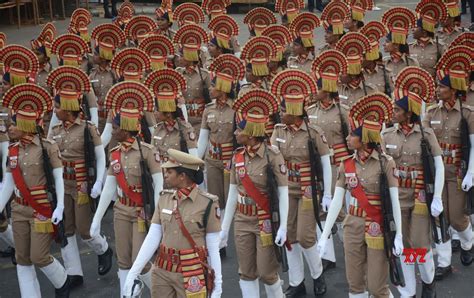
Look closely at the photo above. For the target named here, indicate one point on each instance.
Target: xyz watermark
(413, 255)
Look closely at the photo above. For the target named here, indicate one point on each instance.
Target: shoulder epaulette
(115, 148)
(274, 149)
(280, 125)
(48, 140)
(432, 107)
(166, 191)
(210, 104)
(147, 145)
(388, 130)
(57, 125)
(239, 149)
(211, 197)
(14, 144)
(468, 107)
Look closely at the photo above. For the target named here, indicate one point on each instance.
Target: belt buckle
(248, 201)
(70, 170)
(402, 174)
(446, 152)
(175, 258)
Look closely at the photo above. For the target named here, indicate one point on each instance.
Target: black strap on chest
(205, 217)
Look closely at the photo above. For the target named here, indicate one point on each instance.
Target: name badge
(3, 115)
(280, 140)
(167, 211)
(94, 81)
(435, 122)
(390, 146)
(343, 97)
(239, 164)
(113, 162)
(211, 116)
(157, 137)
(313, 117)
(350, 174)
(56, 137)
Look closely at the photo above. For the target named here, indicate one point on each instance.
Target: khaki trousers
(301, 222)
(217, 180)
(31, 248)
(254, 260)
(165, 284)
(77, 218)
(454, 200)
(127, 238)
(416, 228)
(366, 268)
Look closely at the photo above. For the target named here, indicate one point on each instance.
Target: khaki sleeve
(54, 156)
(435, 148)
(340, 176)
(280, 170)
(91, 99)
(321, 142)
(470, 121)
(150, 119)
(156, 215)
(207, 79)
(95, 134)
(153, 161)
(204, 119)
(390, 172)
(214, 219)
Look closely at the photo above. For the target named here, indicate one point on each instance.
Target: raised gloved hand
(321, 247)
(467, 182)
(224, 235)
(96, 189)
(57, 215)
(436, 206)
(327, 199)
(398, 245)
(94, 231)
(280, 238)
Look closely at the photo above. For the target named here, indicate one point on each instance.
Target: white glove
(322, 246)
(224, 235)
(128, 286)
(398, 245)
(327, 199)
(467, 182)
(436, 206)
(57, 215)
(96, 189)
(95, 228)
(280, 238)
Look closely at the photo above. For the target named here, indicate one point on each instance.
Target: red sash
(260, 198)
(359, 193)
(43, 209)
(122, 181)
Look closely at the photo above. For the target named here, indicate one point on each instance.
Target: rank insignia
(283, 169)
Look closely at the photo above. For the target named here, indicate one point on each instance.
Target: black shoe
(298, 291)
(319, 286)
(13, 258)
(223, 252)
(105, 261)
(328, 265)
(442, 272)
(455, 245)
(466, 257)
(7, 252)
(76, 281)
(428, 290)
(63, 292)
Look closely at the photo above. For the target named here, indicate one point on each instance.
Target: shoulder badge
(192, 135)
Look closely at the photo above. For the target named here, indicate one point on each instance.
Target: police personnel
(366, 262)
(32, 214)
(124, 179)
(402, 143)
(185, 231)
(248, 195)
(291, 138)
(332, 17)
(303, 45)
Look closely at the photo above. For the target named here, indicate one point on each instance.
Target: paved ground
(459, 284)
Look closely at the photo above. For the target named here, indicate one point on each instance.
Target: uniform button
(26, 153)
(126, 157)
(175, 232)
(65, 150)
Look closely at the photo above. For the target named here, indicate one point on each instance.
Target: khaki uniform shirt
(164, 138)
(377, 78)
(406, 149)
(30, 161)
(293, 145)
(256, 168)
(295, 62)
(102, 81)
(219, 121)
(354, 94)
(447, 38)
(396, 67)
(250, 86)
(192, 211)
(168, 33)
(71, 140)
(470, 96)
(427, 56)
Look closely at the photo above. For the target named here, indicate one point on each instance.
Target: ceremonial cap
(125, 13)
(359, 7)
(190, 37)
(413, 85)
(178, 159)
(108, 38)
(70, 49)
(129, 100)
(367, 116)
(68, 77)
(373, 30)
(223, 28)
(139, 27)
(333, 16)
(188, 13)
(130, 64)
(293, 87)
(20, 64)
(254, 109)
(464, 39)
(158, 48)
(453, 8)
(398, 20)
(328, 67)
(214, 8)
(28, 103)
(258, 19)
(289, 8)
(454, 67)
(228, 70)
(3, 40)
(166, 85)
(282, 37)
(44, 41)
(258, 51)
(303, 27)
(354, 45)
(430, 13)
(80, 19)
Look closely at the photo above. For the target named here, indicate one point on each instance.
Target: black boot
(442, 272)
(298, 291)
(107, 14)
(466, 257)
(319, 5)
(328, 265)
(455, 245)
(75, 281)
(114, 8)
(63, 292)
(428, 290)
(7, 252)
(319, 285)
(13, 258)
(105, 261)
(223, 252)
